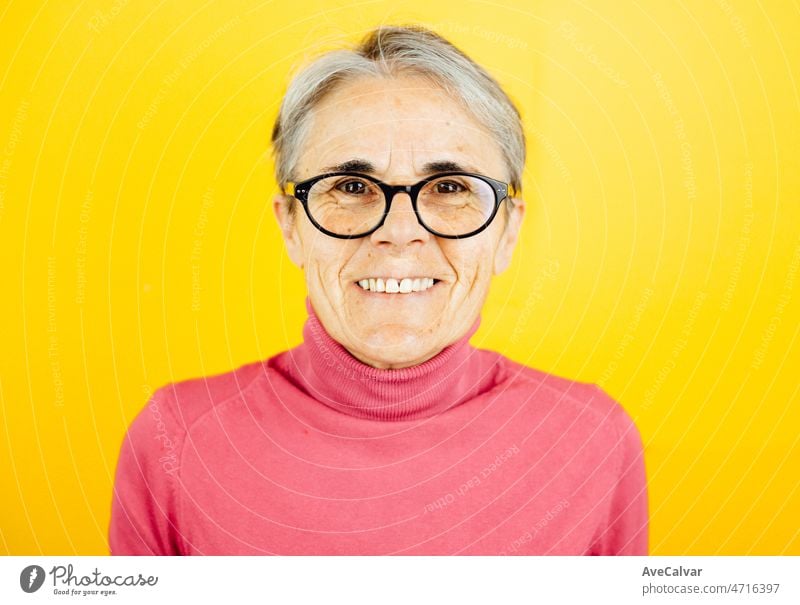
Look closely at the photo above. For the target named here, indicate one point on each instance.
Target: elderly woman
(385, 431)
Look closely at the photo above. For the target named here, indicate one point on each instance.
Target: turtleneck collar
(332, 375)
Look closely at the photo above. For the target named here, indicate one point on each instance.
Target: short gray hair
(391, 51)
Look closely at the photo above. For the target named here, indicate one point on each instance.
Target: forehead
(403, 124)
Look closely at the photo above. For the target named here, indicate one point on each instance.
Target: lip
(410, 275)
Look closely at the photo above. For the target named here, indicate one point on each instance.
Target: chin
(384, 359)
(392, 343)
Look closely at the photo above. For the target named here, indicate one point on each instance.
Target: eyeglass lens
(451, 205)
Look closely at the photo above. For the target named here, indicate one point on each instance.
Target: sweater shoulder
(190, 399)
(570, 396)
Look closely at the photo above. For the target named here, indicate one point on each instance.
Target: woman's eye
(352, 187)
(448, 187)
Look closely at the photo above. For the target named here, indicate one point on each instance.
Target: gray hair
(389, 51)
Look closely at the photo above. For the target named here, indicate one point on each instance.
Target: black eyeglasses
(350, 205)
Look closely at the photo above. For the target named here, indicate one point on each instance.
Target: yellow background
(659, 254)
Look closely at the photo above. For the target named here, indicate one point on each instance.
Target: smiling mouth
(391, 285)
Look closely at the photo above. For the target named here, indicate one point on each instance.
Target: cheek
(326, 258)
(470, 261)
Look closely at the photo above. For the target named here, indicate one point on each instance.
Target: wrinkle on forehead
(410, 133)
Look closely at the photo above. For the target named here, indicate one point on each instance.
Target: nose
(401, 226)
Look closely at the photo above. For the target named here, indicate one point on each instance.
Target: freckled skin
(398, 124)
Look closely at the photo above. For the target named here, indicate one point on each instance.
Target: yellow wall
(659, 254)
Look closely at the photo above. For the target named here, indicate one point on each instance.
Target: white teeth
(392, 285)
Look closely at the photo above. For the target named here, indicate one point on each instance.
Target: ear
(508, 239)
(287, 221)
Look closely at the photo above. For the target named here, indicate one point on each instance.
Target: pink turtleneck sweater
(312, 452)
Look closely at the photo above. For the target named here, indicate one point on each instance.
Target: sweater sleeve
(626, 529)
(144, 504)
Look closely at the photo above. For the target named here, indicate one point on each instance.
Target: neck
(331, 374)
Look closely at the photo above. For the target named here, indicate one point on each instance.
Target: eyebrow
(367, 167)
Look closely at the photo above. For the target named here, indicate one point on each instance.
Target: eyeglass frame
(300, 190)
